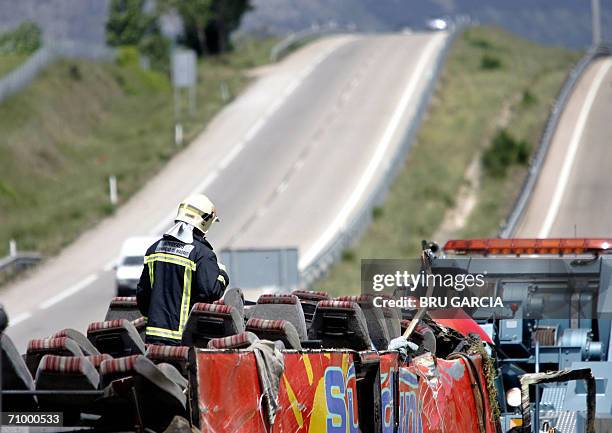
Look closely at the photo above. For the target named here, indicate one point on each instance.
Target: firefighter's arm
(143, 292)
(211, 277)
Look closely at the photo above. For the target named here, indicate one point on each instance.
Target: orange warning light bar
(517, 247)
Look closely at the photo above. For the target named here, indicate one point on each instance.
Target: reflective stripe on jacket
(176, 276)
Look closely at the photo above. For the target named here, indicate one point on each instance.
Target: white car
(130, 264)
(437, 24)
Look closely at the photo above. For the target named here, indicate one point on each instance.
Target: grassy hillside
(493, 99)
(80, 122)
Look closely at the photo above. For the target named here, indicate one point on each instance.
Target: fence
(23, 75)
(552, 122)
(359, 223)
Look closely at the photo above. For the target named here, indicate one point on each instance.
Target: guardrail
(293, 40)
(552, 123)
(13, 264)
(360, 222)
(23, 75)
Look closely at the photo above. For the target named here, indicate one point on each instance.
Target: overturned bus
(299, 362)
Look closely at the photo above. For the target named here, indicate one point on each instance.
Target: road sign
(184, 68)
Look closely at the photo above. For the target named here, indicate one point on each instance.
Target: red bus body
(319, 393)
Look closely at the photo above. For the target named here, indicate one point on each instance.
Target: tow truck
(558, 315)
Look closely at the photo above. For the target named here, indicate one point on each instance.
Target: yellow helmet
(198, 211)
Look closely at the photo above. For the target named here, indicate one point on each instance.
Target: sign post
(112, 190)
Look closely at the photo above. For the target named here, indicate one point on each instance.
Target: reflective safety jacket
(177, 275)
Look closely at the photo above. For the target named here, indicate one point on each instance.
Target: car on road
(130, 263)
(436, 24)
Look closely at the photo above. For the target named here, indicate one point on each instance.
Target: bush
(480, 43)
(348, 255)
(75, 72)
(505, 151)
(528, 98)
(489, 62)
(377, 212)
(128, 56)
(25, 39)
(137, 80)
(157, 49)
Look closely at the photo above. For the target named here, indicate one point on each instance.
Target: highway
(573, 194)
(287, 164)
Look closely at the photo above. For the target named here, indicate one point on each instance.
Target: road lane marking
(282, 187)
(345, 93)
(572, 151)
(19, 318)
(111, 265)
(231, 155)
(69, 291)
(373, 167)
(250, 134)
(255, 128)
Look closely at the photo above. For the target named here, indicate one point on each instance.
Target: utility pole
(596, 15)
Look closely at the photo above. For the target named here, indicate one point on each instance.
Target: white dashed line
(230, 156)
(19, 318)
(110, 265)
(282, 187)
(253, 130)
(69, 291)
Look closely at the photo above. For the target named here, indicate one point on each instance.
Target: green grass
(80, 122)
(491, 80)
(9, 61)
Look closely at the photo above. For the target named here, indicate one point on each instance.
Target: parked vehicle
(130, 263)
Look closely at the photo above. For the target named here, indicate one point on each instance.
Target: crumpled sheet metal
(318, 393)
(559, 376)
(436, 395)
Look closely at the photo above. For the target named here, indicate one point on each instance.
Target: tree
(26, 39)
(127, 22)
(227, 16)
(208, 23)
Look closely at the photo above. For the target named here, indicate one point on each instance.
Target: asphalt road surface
(573, 195)
(287, 164)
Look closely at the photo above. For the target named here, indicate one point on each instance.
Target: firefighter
(180, 270)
